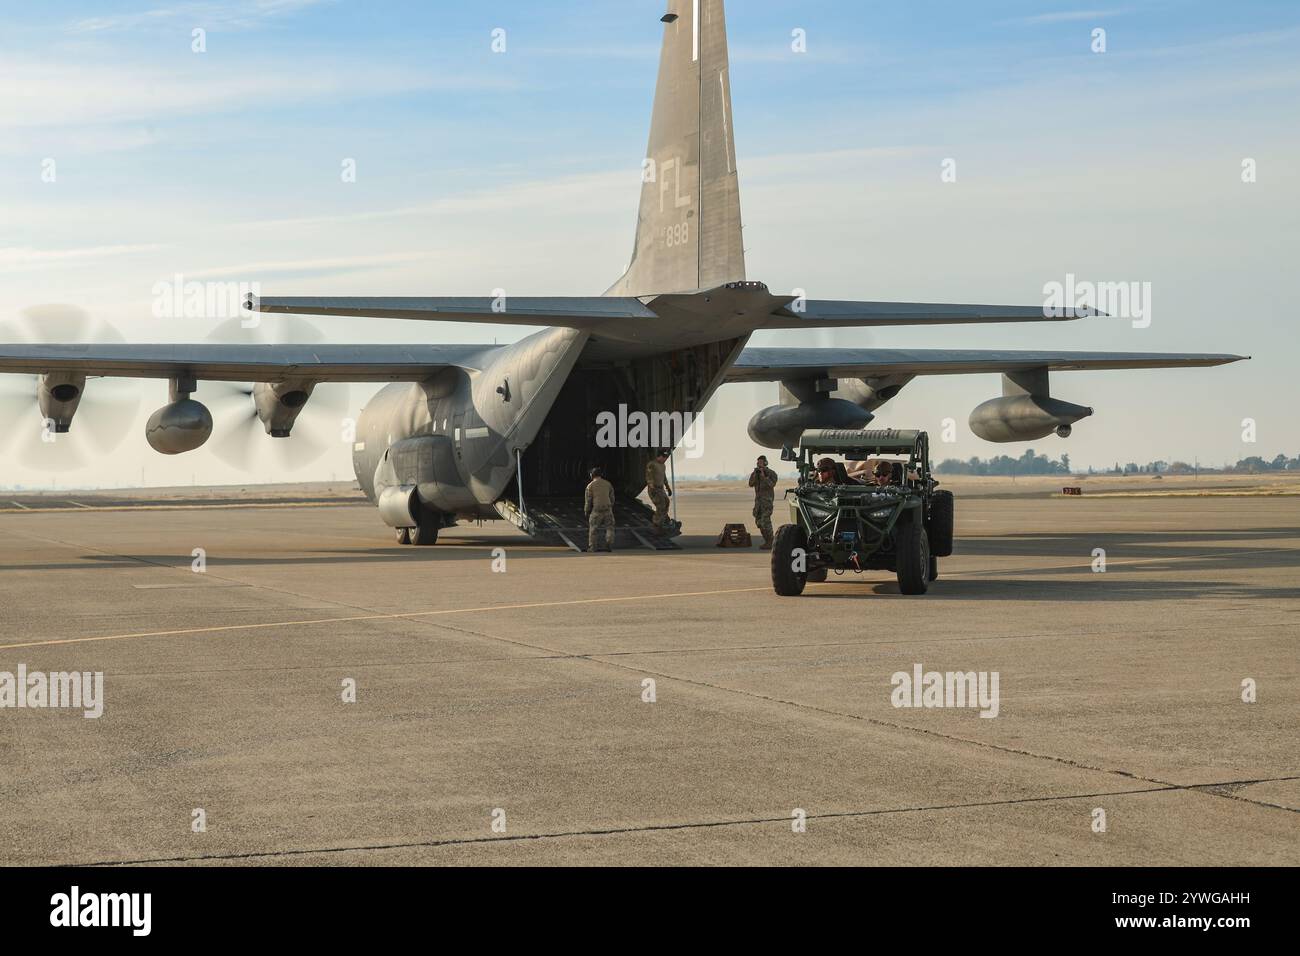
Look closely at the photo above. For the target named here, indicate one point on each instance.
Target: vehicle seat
(842, 475)
(896, 473)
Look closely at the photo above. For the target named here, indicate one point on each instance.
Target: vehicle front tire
(913, 557)
(785, 580)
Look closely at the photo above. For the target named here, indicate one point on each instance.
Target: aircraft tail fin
(688, 234)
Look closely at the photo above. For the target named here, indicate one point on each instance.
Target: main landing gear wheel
(403, 535)
(424, 535)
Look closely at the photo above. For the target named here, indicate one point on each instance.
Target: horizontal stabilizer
(574, 312)
(743, 306)
(831, 313)
(777, 364)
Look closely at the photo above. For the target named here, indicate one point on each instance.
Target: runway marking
(951, 737)
(222, 506)
(178, 585)
(80, 505)
(578, 602)
(505, 607)
(378, 617)
(668, 827)
(1227, 493)
(715, 561)
(599, 656)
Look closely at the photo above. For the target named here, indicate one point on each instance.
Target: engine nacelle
(179, 427)
(1024, 418)
(58, 395)
(779, 425)
(870, 393)
(279, 404)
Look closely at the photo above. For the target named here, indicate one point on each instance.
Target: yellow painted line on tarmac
(1213, 493)
(1087, 564)
(215, 507)
(378, 617)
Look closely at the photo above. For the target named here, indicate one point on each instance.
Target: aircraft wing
(777, 364)
(245, 363)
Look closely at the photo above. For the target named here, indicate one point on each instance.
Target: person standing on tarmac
(656, 482)
(763, 480)
(598, 505)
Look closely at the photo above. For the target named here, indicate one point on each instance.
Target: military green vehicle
(890, 516)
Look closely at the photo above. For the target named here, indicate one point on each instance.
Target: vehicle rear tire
(786, 580)
(913, 557)
(940, 525)
(817, 576)
(403, 535)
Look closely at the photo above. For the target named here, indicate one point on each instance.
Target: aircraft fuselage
(462, 440)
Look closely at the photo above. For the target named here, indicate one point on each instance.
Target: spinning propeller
(107, 409)
(239, 438)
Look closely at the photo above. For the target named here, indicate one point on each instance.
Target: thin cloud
(1067, 16)
(817, 53)
(19, 258)
(566, 190)
(245, 15)
(307, 266)
(600, 51)
(74, 93)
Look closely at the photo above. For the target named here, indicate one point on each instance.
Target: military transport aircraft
(496, 431)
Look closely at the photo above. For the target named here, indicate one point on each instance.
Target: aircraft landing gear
(424, 535)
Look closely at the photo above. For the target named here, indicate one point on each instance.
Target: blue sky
(478, 170)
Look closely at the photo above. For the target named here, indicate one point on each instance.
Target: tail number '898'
(677, 235)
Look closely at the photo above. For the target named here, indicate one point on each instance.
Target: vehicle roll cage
(860, 445)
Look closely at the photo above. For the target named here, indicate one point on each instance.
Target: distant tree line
(1033, 464)
(1027, 464)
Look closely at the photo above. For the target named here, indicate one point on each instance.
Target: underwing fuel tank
(178, 427)
(1024, 418)
(780, 425)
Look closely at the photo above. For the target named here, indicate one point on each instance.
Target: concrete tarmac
(510, 687)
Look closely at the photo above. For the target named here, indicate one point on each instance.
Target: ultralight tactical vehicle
(888, 516)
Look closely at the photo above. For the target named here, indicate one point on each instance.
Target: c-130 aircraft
(487, 431)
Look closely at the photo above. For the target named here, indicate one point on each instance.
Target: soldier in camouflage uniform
(598, 505)
(656, 483)
(763, 480)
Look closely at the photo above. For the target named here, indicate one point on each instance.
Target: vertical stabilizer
(688, 225)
